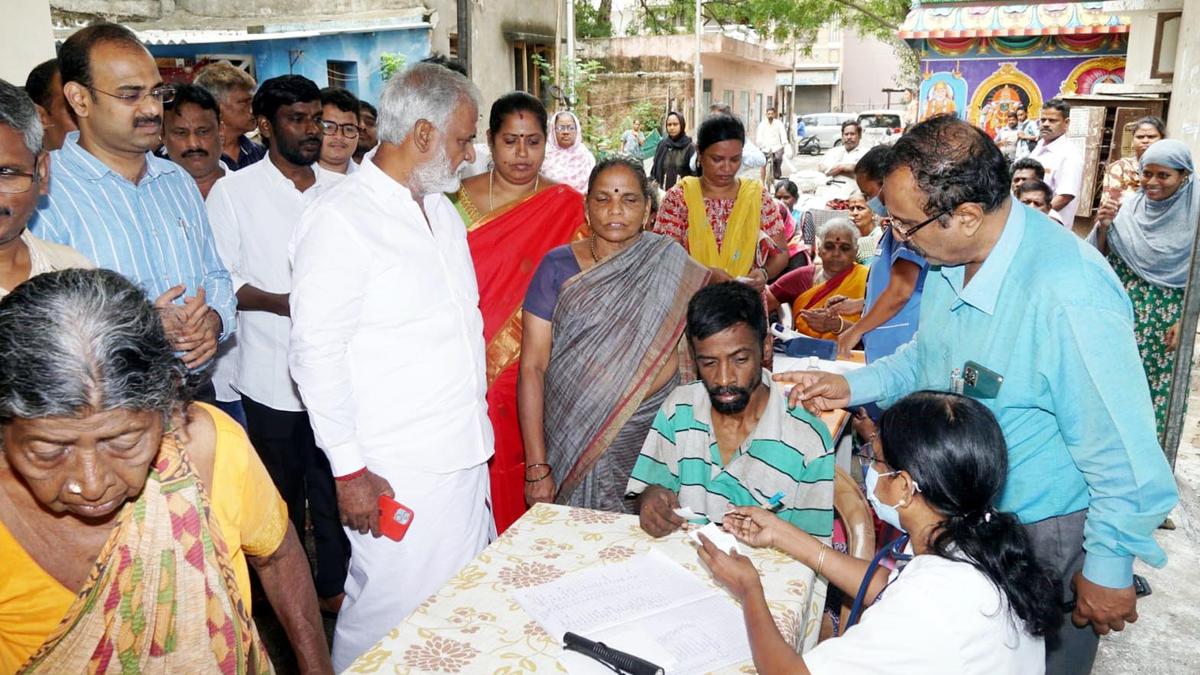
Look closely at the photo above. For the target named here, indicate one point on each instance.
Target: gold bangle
(821, 560)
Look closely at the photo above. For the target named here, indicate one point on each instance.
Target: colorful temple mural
(981, 62)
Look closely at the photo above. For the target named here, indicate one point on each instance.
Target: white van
(826, 127)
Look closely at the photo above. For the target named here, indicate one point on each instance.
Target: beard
(299, 151)
(436, 175)
(737, 405)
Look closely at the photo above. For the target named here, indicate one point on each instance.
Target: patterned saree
(616, 326)
(162, 596)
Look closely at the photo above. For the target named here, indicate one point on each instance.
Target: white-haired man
(387, 350)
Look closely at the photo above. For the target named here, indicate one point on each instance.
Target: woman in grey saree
(603, 318)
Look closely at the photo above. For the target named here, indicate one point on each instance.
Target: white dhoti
(387, 580)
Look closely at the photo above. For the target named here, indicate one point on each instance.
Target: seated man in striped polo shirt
(730, 439)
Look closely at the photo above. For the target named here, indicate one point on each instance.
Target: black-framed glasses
(908, 233)
(330, 128)
(164, 94)
(17, 182)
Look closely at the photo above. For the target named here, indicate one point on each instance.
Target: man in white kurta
(254, 212)
(840, 159)
(387, 349)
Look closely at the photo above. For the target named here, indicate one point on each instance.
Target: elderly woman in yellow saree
(835, 300)
(127, 515)
(603, 318)
(514, 216)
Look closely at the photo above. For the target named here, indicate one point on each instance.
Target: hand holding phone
(394, 518)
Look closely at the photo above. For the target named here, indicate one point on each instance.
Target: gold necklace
(491, 180)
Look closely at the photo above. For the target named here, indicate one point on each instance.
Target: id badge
(979, 382)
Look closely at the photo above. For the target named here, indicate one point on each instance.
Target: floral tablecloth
(473, 625)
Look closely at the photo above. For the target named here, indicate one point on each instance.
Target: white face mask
(887, 513)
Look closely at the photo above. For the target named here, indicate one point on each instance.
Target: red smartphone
(394, 518)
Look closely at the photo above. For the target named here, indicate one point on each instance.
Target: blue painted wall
(271, 57)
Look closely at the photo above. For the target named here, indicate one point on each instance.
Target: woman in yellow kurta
(834, 302)
(128, 517)
(728, 224)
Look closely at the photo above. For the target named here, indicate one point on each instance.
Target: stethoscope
(896, 551)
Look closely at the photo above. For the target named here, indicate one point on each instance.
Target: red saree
(506, 247)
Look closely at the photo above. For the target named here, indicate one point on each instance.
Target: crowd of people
(240, 315)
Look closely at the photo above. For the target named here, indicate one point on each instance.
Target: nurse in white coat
(973, 599)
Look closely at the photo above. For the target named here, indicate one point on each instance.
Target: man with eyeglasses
(1024, 316)
(340, 115)
(24, 179)
(127, 210)
(254, 213)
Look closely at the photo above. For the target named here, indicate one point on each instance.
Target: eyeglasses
(570, 128)
(331, 129)
(164, 94)
(908, 233)
(17, 182)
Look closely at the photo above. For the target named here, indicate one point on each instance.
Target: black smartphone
(1141, 588)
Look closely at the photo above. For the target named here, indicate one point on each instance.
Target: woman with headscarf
(673, 157)
(567, 161)
(1149, 244)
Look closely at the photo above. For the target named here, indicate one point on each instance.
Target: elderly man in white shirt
(254, 213)
(840, 160)
(1062, 159)
(387, 349)
(772, 138)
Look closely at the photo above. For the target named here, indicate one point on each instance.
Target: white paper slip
(649, 606)
(686, 513)
(601, 597)
(720, 538)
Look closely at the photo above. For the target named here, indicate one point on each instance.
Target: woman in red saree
(514, 216)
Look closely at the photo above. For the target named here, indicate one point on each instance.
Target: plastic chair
(851, 508)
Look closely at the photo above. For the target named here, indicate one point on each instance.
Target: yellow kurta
(252, 518)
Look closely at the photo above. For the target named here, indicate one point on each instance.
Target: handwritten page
(651, 597)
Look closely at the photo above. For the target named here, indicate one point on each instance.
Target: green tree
(593, 22)
(779, 19)
(390, 64)
(583, 74)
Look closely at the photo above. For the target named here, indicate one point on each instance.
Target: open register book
(649, 606)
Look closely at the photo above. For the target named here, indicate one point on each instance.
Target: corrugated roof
(181, 31)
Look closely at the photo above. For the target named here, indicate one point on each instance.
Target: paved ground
(1163, 641)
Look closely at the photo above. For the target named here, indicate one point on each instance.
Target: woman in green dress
(1148, 242)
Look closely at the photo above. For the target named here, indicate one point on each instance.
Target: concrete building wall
(869, 65)
(495, 26)
(1182, 121)
(27, 41)
(160, 9)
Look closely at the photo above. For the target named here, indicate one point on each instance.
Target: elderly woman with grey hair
(128, 515)
(819, 311)
(25, 180)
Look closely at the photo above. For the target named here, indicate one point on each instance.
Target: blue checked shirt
(155, 233)
(1047, 313)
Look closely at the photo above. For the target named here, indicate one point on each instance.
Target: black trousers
(284, 441)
